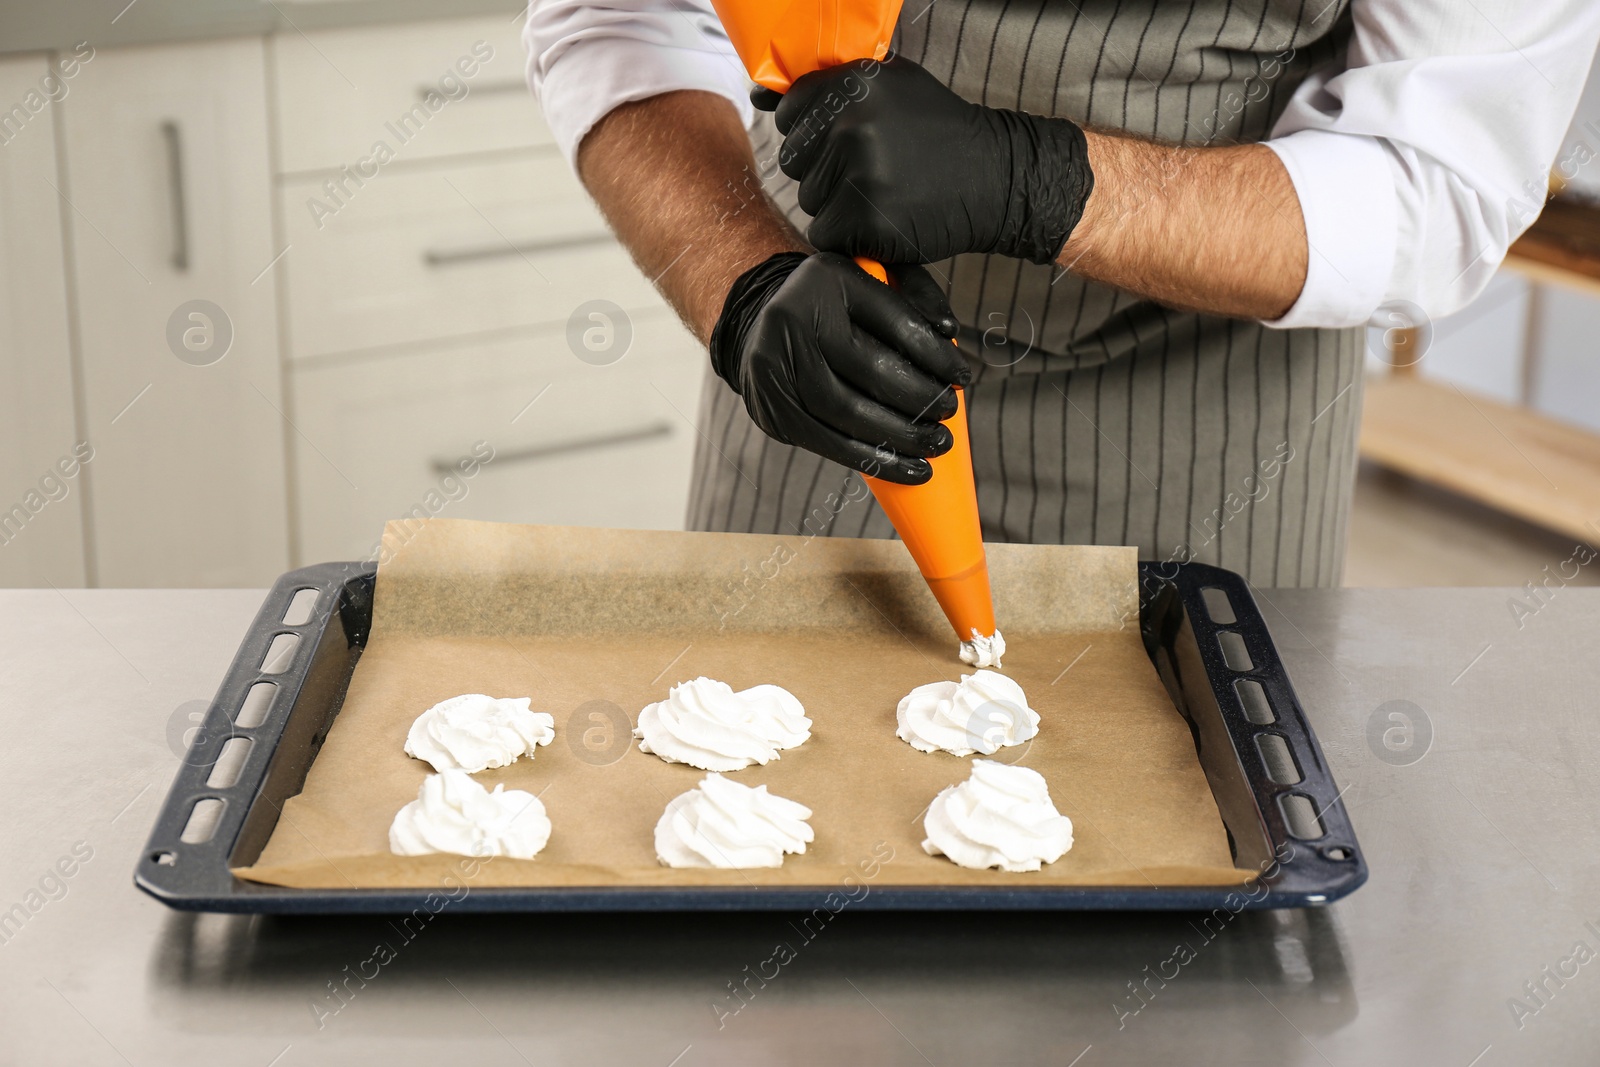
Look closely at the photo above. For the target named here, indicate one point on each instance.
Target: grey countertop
(49, 25)
(1483, 852)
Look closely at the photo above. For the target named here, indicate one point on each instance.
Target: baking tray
(1201, 628)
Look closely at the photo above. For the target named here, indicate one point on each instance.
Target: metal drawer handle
(443, 257)
(508, 85)
(647, 432)
(180, 209)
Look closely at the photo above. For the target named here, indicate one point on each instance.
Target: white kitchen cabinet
(430, 253)
(267, 366)
(571, 443)
(41, 506)
(168, 174)
(340, 91)
(428, 297)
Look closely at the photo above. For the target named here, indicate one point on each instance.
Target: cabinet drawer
(430, 254)
(571, 443)
(340, 91)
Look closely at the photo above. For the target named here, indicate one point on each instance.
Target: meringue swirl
(1001, 816)
(984, 713)
(453, 813)
(474, 732)
(983, 651)
(705, 724)
(730, 826)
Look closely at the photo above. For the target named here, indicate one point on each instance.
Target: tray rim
(197, 877)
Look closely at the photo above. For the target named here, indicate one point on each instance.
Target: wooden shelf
(1552, 269)
(1523, 463)
(1562, 247)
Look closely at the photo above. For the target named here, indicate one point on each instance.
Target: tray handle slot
(1218, 606)
(1301, 816)
(203, 819)
(225, 772)
(1275, 753)
(1234, 652)
(301, 607)
(1257, 708)
(280, 654)
(257, 703)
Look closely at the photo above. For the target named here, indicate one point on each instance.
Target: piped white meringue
(1001, 816)
(474, 732)
(705, 724)
(983, 713)
(453, 813)
(731, 826)
(983, 651)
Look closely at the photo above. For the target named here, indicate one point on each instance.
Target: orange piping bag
(779, 41)
(938, 520)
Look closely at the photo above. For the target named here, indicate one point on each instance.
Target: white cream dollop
(474, 732)
(983, 651)
(1001, 816)
(453, 813)
(731, 826)
(705, 724)
(983, 713)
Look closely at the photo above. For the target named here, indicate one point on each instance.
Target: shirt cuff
(592, 77)
(1347, 196)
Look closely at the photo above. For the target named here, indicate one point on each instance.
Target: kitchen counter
(31, 26)
(1479, 826)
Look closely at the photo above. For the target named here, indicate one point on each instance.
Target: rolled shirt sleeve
(584, 59)
(1420, 159)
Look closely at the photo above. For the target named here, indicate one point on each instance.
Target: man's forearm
(1217, 230)
(675, 177)
(1213, 229)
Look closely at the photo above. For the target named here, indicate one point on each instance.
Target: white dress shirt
(1416, 162)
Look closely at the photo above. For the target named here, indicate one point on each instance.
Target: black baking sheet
(1201, 628)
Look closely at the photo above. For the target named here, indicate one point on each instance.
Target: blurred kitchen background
(273, 273)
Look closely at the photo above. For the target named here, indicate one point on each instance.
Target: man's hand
(831, 360)
(825, 357)
(894, 165)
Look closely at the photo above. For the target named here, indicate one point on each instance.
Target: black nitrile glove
(894, 165)
(829, 359)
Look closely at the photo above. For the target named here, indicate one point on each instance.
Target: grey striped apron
(1098, 417)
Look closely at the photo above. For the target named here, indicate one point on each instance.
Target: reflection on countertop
(1023, 980)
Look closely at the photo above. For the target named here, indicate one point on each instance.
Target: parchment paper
(573, 616)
